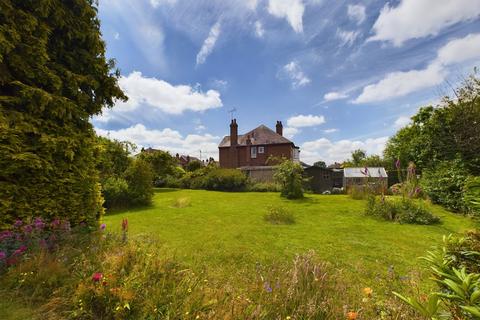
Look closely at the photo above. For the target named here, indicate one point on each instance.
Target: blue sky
(340, 75)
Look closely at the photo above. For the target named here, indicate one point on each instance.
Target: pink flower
(103, 226)
(97, 277)
(3, 255)
(397, 164)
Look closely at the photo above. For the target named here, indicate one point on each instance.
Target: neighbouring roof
(260, 135)
(374, 172)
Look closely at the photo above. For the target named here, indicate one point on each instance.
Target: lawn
(226, 231)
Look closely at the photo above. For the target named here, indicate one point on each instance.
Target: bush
(263, 187)
(279, 215)
(213, 178)
(139, 176)
(457, 296)
(115, 193)
(396, 189)
(288, 175)
(193, 165)
(444, 184)
(403, 211)
(471, 195)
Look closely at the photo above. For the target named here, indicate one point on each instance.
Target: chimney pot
(279, 128)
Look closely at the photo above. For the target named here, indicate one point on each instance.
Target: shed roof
(260, 135)
(374, 172)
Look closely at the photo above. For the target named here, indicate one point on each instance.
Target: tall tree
(53, 77)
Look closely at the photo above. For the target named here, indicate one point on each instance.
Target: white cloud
(209, 43)
(301, 121)
(292, 10)
(420, 18)
(116, 36)
(347, 37)
(330, 96)
(200, 128)
(162, 95)
(460, 50)
(166, 139)
(401, 122)
(332, 130)
(251, 4)
(329, 151)
(356, 13)
(259, 31)
(157, 3)
(397, 84)
(290, 132)
(293, 71)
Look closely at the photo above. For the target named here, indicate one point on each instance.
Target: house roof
(260, 135)
(374, 172)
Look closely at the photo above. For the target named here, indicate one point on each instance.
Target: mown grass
(227, 232)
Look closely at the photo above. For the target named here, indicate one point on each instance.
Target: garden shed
(375, 177)
(320, 179)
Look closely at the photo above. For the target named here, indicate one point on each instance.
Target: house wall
(240, 156)
(260, 174)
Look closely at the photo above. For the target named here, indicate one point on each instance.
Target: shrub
(161, 162)
(288, 175)
(403, 211)
(193, 165)
(139, 177)
(48, 93)
(279, 215)
(471, 195)
(116, 193)
(263, 187)
(396, 189)
(213, 178)
(458, 284)
(444, 184)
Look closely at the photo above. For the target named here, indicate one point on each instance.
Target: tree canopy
(53, 77)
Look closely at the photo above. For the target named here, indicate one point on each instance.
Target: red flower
(97, 276)
(125, 224)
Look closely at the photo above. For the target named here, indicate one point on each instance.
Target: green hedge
(54, 76)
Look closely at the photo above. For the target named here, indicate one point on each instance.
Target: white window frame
(261, 149)
(253, 152)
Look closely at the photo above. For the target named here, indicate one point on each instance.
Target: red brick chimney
(233, 132)
(279, 128)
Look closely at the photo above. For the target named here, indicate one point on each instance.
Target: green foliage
(444, 184)
(116, 193)
(446, 132)
(162, 164)
(224, 180)
(279, 215)
(193, 165)
(139, 176)
(113, 157)
(54, 76)
(288, 175)
(471, 195)
(403, 211)
(263, 187)
(320, 164)
(456, 275)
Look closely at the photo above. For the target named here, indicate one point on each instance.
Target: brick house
(251, 150)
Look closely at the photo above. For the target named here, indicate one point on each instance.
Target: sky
(340, 75)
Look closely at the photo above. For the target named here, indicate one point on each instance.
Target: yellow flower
(189, 290)
(288, 318)
(367, 291)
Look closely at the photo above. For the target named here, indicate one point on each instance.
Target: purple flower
(3, 255)
(5, 235)
(28, 228)
(20, 250)
(103, 226)
(18, 223)
(267, 287)
(39, 224)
